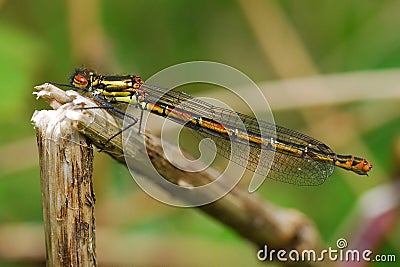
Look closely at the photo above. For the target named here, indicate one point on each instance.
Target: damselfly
(297, 158)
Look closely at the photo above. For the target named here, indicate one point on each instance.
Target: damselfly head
(82, 78)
